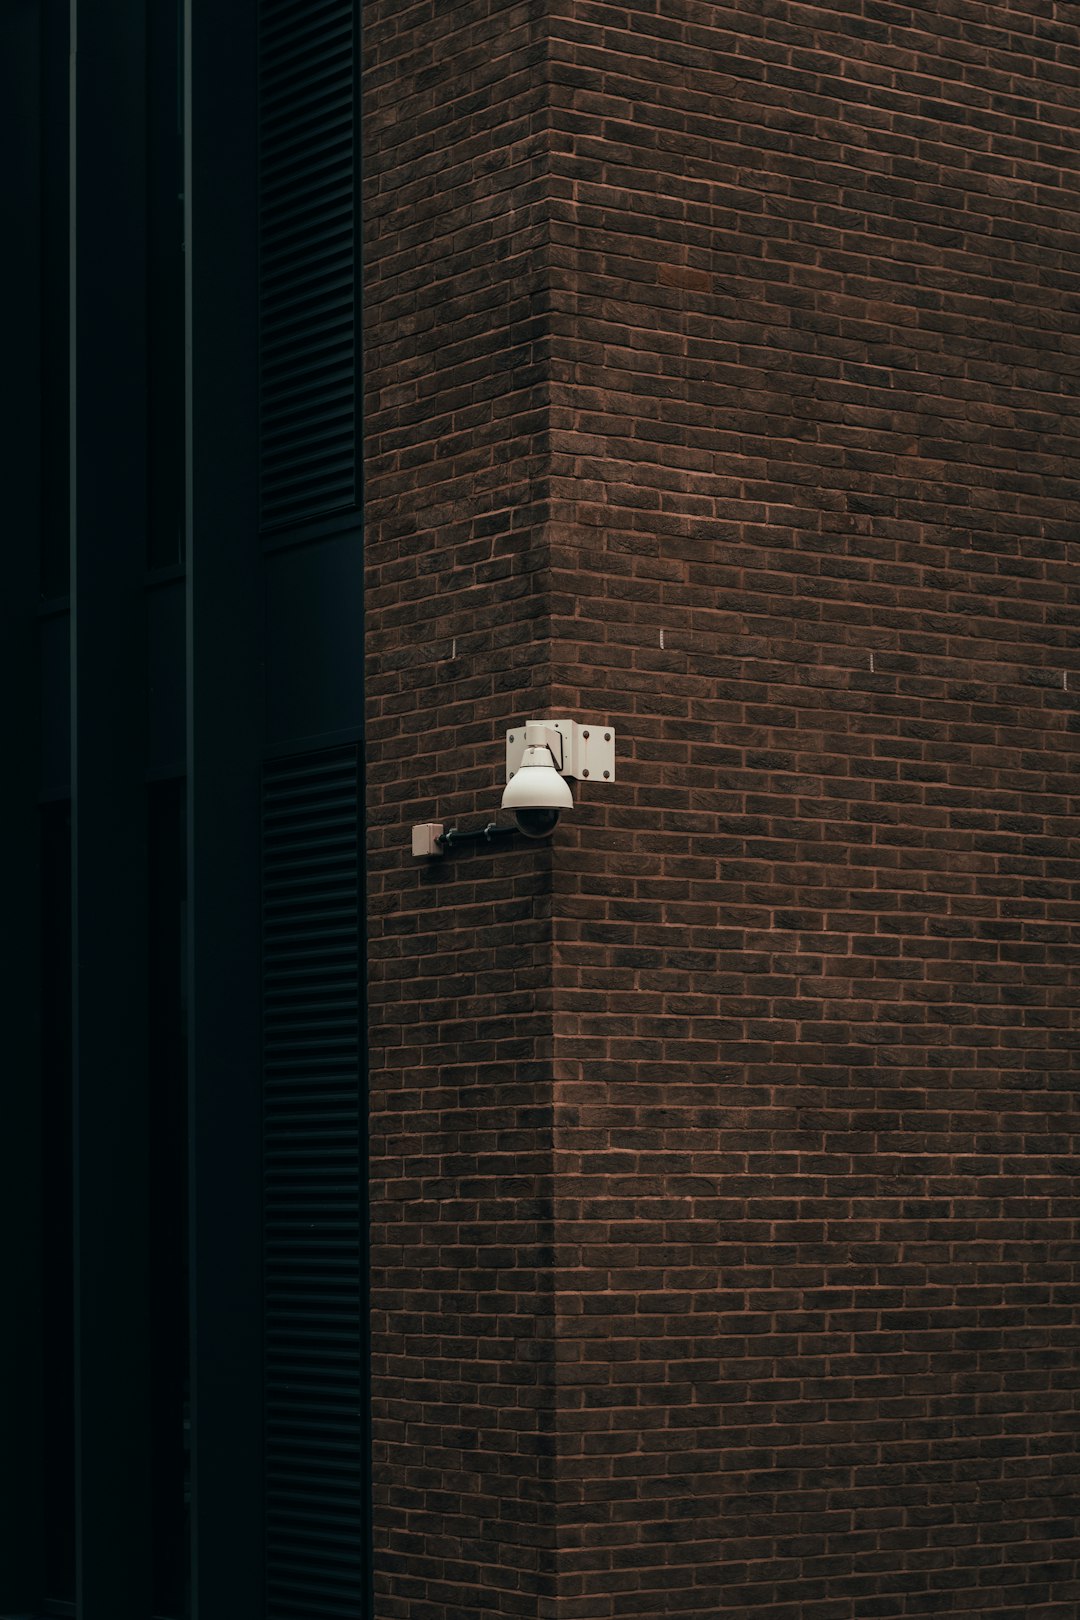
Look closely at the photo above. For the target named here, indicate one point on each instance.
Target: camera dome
(536, 821)
(536, 793)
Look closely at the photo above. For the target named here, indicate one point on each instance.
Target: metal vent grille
(307, 260)
(313, 1188)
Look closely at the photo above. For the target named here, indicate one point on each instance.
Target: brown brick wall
(722, 367)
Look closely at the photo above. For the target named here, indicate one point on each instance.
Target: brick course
(721, 385)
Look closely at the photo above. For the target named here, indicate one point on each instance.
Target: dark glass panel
(165, 288)
(55, 449)
(168, 1284)
(58, 1294)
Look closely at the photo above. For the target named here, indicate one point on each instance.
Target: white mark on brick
(871, 663)
(661, 641)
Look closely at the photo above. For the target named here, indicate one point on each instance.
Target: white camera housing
(536, 793)
(540, 756)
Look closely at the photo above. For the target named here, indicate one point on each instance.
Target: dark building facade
(184, 1377)
(676, 1217)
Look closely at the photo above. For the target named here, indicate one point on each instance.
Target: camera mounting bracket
(585, 752)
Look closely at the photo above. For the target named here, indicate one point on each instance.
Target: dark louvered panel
(308, 214)
(312, 1175)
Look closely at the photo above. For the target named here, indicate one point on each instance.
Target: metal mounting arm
(430, 838)
(479, 835)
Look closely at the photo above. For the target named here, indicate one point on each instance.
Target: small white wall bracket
(584, 751)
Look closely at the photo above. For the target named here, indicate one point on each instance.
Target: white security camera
(540, 755)
(536, 792)
(539, 758)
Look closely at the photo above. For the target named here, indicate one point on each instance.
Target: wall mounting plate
(588, 750)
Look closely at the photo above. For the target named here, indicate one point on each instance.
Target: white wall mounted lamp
(540, 757)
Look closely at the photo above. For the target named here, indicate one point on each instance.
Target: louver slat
(308, 213)
(312, 1188)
